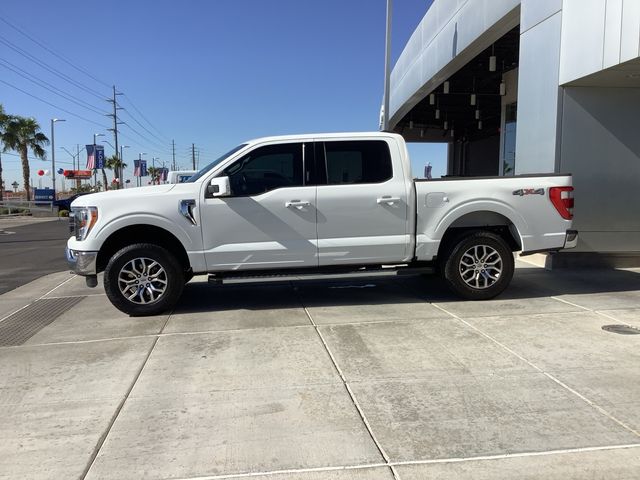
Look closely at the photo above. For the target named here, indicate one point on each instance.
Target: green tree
(154, 173)
(116, 165)
(23, 134)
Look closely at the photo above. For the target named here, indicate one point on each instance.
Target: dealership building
(534, 86)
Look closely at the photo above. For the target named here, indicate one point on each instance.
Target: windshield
(218, 160)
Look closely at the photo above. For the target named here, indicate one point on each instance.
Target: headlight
(84, 218)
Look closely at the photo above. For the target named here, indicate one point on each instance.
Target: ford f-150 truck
(314, 204)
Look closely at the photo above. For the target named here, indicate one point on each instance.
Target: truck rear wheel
(479, 267)
(143, 279)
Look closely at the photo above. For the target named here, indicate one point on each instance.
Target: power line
(64, 59)
(141, 125)
(144, 118)
(31, 159)
(157, 143)
(47, 86)
(52, 105)
(51, 69)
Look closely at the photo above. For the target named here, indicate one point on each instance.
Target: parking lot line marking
(571, 303)
(285, 472)
(58, 286)
(547, 374)
(597, 312)
(39, 298)
(518, 455)
(80, 295)
(414, 462)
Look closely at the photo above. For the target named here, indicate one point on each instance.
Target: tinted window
(266, 168)
(217, 161)
(357, 162)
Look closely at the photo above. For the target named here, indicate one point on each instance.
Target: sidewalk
(340, 379)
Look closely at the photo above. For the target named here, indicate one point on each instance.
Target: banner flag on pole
(91, 158)
(100, 156)
(136, 168)
(143, 168)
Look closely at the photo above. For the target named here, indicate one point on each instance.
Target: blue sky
(213, 73)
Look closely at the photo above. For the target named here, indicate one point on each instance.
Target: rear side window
(352, 162)
(267, 168)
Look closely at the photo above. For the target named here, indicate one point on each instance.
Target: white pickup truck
(314, 204)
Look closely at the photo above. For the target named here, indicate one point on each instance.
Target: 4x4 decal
(529, 191)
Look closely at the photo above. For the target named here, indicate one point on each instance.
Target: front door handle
(388, 200)
(299, 204)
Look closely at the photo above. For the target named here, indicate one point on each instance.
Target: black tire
(466, 273)
(156, 266)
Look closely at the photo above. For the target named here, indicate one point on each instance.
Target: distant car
(65, 203)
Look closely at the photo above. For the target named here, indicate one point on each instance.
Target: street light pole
(122, 165)
(140, 168)
(53, 154)
(387, 68)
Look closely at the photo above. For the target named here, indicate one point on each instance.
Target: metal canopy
(455, 107)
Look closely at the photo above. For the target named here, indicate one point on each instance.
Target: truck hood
(101, 198)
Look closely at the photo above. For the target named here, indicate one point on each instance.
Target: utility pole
(78, 181)
(193, 155)
(173, 147)
(114, 115)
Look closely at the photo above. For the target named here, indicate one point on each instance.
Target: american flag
(91, 158)
(140, 168)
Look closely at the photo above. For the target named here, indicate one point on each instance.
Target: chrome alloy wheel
(142, 280)
(480, 266)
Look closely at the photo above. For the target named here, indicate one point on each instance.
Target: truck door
(362, 207)
(269, 222)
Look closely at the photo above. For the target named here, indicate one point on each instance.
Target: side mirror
(219, 187)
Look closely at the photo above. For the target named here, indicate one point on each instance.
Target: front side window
(362, 161)
(267, 168)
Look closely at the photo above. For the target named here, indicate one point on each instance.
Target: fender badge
(529, 191)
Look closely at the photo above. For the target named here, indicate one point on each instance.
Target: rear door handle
(299, 204)
(388, 200)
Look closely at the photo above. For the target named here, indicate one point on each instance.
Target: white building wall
(536, 11)
(538, 93)
(597, 34)
(601, 146)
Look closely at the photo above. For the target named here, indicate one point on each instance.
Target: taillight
(562, 199)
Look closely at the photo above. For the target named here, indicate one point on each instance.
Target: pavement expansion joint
(547, 374)
(352, 396)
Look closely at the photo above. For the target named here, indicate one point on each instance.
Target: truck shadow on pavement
(528, 283)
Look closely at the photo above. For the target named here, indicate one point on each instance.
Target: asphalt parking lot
(362, 378)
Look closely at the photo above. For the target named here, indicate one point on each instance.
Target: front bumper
(82, 263)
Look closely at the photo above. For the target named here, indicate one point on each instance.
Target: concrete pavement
(364, 378)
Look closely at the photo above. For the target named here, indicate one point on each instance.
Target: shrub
(63, 213)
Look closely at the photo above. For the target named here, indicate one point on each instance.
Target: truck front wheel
(479, 267)
(143, 279)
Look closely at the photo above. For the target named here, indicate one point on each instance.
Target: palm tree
(3, 122)
(154, 172)
(114, 163)
(22, 134)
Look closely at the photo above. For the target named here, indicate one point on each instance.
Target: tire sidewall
(175, 279)
(452, 272)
